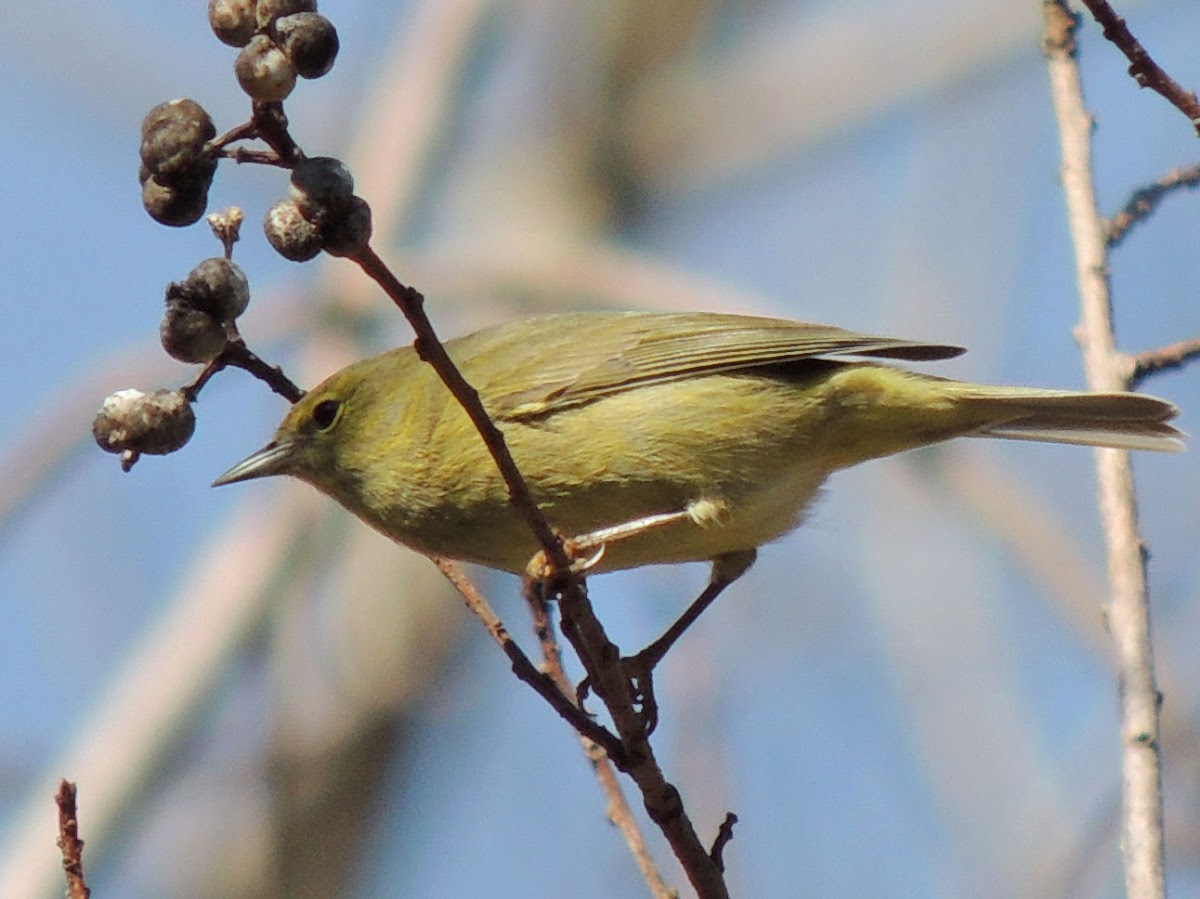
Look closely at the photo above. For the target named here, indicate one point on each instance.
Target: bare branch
(69, 842)
(601, 659)
(1143, 201)
(237, 355)
(1143, 69)
(724, 835)
(1129, 617)
(525, 669)
(1165, 358)
(619, 812)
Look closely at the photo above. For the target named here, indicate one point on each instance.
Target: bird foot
(639, 671)
(540, 570)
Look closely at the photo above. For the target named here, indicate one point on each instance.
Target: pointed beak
(272, 459)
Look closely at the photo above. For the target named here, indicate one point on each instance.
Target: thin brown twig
(69, 842)
(1142, 67)
(242, 155)
(237, 355)
(270, 124)
(543, 629)
(724, 835)
(661, 798)
(1129, 615)
(429, 347)
(1172, 356)
(630, 751)
(601, 659)
(1143, 201)
(619, 811)
(524, 669)
(244, 131)
(267, 123)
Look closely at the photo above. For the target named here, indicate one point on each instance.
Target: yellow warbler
(666, 437)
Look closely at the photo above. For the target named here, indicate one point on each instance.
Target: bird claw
(541, 570)
(639, 671)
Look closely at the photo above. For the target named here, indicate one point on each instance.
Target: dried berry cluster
(214, 294)
(178, 163)
(197, 326)
(132, 422)
(321, 213)
(280, 40)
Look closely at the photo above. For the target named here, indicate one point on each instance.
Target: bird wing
(582, 357)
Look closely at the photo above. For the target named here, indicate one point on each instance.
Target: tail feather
(1129, 421)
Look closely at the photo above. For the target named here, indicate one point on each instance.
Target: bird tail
(1130, 421)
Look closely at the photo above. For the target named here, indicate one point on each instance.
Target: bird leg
(586, 550)
(594, 542)
(639, 668)
(725, 570)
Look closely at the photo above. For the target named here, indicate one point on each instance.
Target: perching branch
(601, 660)
(1128, 615)
(619, 812)
(429, 347)
(631, 752)
(524, 669)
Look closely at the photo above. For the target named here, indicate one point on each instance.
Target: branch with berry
(280, 41)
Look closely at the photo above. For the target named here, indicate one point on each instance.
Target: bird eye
(325, 413)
